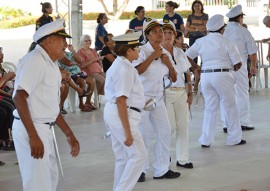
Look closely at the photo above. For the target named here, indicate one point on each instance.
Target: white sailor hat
(54, 28)
(149, 23)
(215, 22)
(168, 24)
(128, 39)
(235, 11)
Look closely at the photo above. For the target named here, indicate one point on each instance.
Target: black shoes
(242, 142)
(142, 177)
(225, 130)
(244, 128)
(187, 165)
(247, 128)
(205, 146)
(170, 174)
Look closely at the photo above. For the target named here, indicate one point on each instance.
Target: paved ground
(220, 168)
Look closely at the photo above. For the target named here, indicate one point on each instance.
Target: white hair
(266, 19)
(83, 37)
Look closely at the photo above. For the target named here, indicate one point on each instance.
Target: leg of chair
(72, 99)
(266, 77)
(96, 96)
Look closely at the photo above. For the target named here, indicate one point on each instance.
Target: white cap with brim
(168, 24)
(149, 23)
(128, 39)
(235, 11)
(54, 28)
(215, 23)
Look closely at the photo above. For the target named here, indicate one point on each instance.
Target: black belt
(215, 70)
(48, 123)
(134, 108)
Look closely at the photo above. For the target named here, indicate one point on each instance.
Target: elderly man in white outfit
(122, 113)
(153, 64)
(177, 100)
(247, 48)
(219, 56)
(36, 96)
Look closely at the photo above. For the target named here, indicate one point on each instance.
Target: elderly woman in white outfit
(177, 100)
(122, 113)
(219, 56)
(153, 64)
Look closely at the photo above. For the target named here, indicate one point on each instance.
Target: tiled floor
(219, 168)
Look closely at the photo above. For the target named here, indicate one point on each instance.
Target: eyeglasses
(87, 40)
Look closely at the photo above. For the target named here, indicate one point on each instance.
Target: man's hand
(37, 147)
(74, 144)
(129, 139)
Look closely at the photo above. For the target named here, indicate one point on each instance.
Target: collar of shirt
(45, 55)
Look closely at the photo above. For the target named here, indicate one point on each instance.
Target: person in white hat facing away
(220, 57)
(177, 100)
(122, 113)
(247, 48)
(36, 96)
(153, 64)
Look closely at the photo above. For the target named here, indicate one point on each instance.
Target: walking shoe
(242, 142)
(63, 111)
(205, 146)
(187, 165)
(225, 130)
(247, 128)
(142, 177)
(169, 174)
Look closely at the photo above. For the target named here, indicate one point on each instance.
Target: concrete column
(76, 22)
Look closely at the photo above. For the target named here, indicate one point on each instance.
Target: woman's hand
(157, 53)
(9, 75)
(166, 60)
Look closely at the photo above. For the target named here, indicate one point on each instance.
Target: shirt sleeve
(123, 83)
(193, 51)
(140, 59)
(234, 54)
(30, 74)
(251, 45)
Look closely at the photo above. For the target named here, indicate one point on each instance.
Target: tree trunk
(116, 12)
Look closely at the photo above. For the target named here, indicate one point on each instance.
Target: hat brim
(151, 25)
(62, 33)
(128, 43)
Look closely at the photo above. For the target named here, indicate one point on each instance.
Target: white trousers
(129, 161)
(178, 113)
(157, 121)
(37, 174)
(218, 89)
(242, 95)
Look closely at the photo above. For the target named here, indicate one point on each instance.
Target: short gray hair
(266, 19)
(83, 37)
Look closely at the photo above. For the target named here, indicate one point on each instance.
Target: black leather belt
(48, 123)
(134, 108)
(215, 70)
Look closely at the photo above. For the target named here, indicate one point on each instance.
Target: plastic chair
(9, 66)
(262, 64)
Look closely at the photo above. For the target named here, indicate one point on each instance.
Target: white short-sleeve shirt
(152, 78)
(40, 77)
(122, 79)
(216, 52)
(242, 38)
(181, 65)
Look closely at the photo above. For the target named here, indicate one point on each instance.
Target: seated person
(6, 114)
(108, 52)
(91, 63)
(69, 63)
